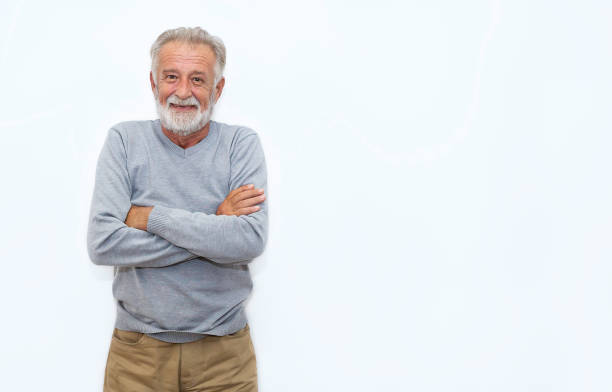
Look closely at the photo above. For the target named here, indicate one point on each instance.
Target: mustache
(173, 99)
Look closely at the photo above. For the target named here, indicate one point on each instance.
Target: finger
(250, 201)
(240, 189)
(247, 210)
(246, 195)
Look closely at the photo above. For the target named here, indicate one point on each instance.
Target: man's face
(185, 92)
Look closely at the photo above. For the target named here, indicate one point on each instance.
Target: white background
(439, 187)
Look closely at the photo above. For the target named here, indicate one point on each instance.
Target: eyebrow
(176, 71)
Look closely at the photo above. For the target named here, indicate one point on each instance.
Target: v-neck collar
(186, 152)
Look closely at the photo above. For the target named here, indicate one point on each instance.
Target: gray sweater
(187, 275)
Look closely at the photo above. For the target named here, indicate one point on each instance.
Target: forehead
(187, 57)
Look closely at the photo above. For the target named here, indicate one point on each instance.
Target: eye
(197, 80)
(171, 77)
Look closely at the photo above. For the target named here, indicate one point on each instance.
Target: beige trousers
(137, 362)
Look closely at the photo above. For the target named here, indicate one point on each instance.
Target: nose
(183, 90)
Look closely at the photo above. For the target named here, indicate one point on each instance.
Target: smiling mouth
(182, 108)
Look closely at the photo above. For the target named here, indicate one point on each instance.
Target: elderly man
(179, 210)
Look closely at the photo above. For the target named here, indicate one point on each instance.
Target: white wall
(439, 187)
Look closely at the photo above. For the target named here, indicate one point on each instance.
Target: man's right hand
(241, 201)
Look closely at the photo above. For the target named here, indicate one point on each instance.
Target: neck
(189, 140)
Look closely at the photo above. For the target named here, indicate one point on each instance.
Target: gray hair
(192, 35)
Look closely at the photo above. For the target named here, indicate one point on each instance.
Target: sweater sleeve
(109, 240)
(225, 239)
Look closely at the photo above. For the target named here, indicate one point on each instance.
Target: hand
(241, 201)
(138, 217)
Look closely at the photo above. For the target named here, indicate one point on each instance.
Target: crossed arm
(121, 234)
(240, 201)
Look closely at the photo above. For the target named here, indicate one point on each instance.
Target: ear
(152, 82)
(219, 88)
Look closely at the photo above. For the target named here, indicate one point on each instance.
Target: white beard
(184, 123)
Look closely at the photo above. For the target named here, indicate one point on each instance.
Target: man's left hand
(138, 217)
